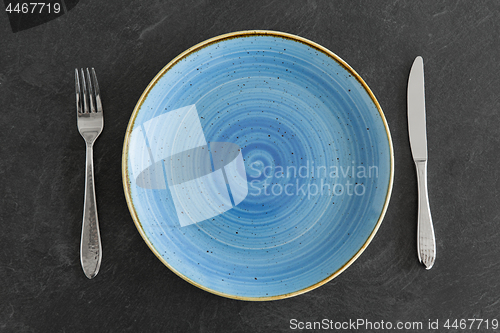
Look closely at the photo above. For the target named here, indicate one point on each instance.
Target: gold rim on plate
(197, 47)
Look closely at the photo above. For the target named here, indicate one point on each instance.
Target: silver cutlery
(426, 243)
(90, 124)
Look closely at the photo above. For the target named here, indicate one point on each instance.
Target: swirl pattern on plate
(317, 160)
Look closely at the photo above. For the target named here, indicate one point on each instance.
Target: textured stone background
(42, 286)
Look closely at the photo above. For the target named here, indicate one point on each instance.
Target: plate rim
(197, 47)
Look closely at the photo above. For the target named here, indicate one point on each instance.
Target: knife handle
(426, 242)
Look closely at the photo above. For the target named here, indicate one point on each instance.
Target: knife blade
(426, 242)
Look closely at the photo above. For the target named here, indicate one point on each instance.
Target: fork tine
(85, 94)
(91, 93)
(97, 92)
(78, 93)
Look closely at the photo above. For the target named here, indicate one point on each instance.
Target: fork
(90, 124)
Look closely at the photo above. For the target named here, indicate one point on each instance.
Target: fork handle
(90, 246)
(426, 243)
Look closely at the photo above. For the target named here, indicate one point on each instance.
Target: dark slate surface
(42, 286)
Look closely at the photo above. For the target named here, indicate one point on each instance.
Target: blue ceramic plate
(257, 165)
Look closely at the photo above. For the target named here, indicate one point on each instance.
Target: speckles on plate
(291, 108)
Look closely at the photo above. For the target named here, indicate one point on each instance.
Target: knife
(426, 242)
